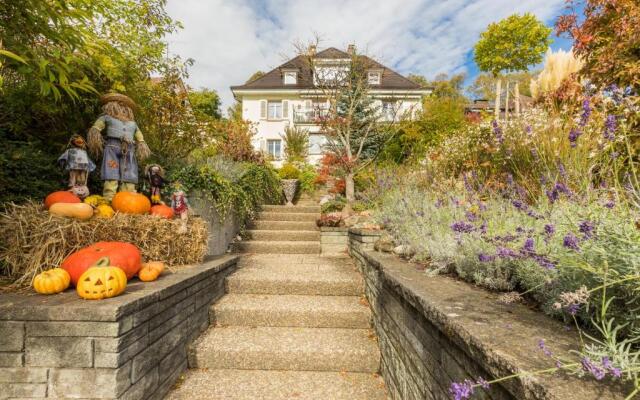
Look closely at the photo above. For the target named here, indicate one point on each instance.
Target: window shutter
(285, 109)
(263, 109)
(307, 104)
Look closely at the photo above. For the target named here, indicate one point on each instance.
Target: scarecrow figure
(76, 160)
(122, 148)
(155, 175)
(180, 206)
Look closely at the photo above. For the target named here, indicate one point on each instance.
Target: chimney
(351, 49)
(312, 49)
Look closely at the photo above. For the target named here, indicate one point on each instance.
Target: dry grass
(31, 240)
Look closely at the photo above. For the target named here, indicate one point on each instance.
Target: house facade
(290, 96)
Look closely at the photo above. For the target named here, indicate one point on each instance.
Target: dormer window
(374, 77)
(290, 77)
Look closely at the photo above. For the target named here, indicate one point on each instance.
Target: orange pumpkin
(126, 256)
(162, 211)
(131, 203)
(62, 196)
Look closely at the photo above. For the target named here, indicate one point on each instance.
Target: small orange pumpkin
(62, 196)
(162, 211)
(131, 203)
(151, 271)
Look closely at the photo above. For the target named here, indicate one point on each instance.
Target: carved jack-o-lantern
(101, 281)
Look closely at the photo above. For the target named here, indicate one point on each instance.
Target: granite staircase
(283, 230)
(291, 326)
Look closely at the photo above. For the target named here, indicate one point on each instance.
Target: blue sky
(231, 39)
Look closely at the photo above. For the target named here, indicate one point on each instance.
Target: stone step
(227, 384)
(295, 209)
(294, 277)
(278, 247)
(291, 311)
(288, 349)
(290, 216)
(284, 225)
(283, 235)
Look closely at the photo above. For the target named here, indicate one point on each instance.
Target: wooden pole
(506, 106)
(517, 95)
(498, 89)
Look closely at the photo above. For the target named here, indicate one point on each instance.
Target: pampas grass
(32, 240)
(558, 66)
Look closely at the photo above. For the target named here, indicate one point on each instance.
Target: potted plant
(290, 176)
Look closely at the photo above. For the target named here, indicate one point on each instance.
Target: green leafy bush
(308, 176)
(289, 171)
(334, 205)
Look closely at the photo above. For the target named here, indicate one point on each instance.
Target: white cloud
(231, 39)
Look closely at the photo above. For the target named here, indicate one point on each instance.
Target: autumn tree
(356, 124)
(605, 38)
(511, 45)
(205, 101)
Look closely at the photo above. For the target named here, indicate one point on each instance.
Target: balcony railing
(310, 116)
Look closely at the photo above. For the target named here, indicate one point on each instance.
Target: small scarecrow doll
(180, 206)
(76, 160)
(122, 147)
(155, 175)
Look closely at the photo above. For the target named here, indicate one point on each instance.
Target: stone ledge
(333, 229)
(68, 306)
(468, 326)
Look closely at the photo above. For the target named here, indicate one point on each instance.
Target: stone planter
(289, 187)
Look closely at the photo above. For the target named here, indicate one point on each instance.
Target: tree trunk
(498, 89)
(349, 192)
(517, 96)
(507, 105)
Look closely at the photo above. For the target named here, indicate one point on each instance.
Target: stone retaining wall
(133, 346)
(333, 241)
(436, 330)
(221, 231)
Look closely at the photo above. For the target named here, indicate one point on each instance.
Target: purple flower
(534, 214)
(610, 126)
(528, 129)
(534, 154)
(562, 170)
(586, 228)
(529, 246)
(542, 346)
(610, 204)
(486, 258)
(470, 216)
(562, 188)
(497, 131)
(519, 205)
(549, 229)
(483, 228)
(573, 308)
(614, 155)
(591, 368)
(504, 252)
(552, 195)
(586, 112)
(574, 134)
(570, 241)
(606, 363)
(462, 390)
(462, 227)
(544, 262)
(482, 383)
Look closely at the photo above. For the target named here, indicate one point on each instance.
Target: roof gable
(273, 79)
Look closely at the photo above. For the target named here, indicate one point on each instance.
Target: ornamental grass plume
(558, 67)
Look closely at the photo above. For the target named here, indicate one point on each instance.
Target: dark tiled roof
(273, 79)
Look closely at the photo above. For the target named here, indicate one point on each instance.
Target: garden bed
(434, 330)
(131, 346)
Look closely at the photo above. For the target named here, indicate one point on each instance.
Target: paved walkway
(293, 325)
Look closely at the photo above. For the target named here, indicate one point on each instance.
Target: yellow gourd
(52, 281)
(81, 211)
(101, 281)
(96, 200)
(104, 211)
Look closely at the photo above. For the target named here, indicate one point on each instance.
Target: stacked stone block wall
(133, 346)
(334, 241)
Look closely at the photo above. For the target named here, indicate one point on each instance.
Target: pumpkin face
(162, 211)
(104, 211)
(131, 203)
(96, 200)
(52, 281)
(60, 197)
(123, 255)
(79, 211)
(101, 281)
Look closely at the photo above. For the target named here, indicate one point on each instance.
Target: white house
(289, 95)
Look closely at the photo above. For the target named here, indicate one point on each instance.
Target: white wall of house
(281, 109)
